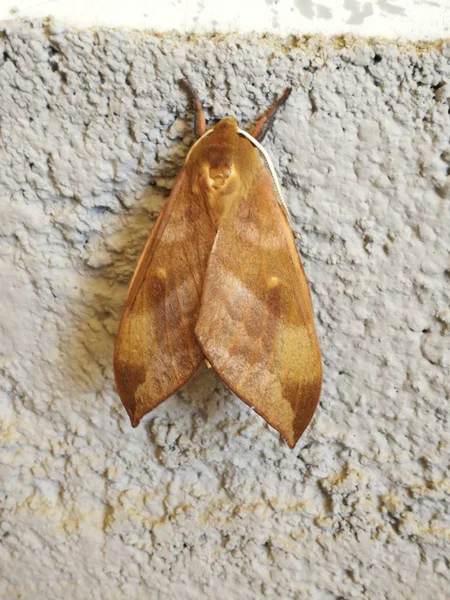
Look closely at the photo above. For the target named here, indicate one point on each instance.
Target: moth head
(218, 157)
(226, 125)
(222, 162)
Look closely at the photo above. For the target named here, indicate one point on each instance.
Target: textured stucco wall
(203, 500)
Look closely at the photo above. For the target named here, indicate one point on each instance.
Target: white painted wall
(414, 19)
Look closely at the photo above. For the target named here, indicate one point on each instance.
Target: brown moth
(220, 280)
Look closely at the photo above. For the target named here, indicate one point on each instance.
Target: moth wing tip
(292, 436)
(135, 419)
(291, 440)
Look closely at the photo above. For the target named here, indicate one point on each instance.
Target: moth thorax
(218, 176)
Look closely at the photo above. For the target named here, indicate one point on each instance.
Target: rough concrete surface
(204, 500)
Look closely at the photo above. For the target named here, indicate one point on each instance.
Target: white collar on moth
(274, 178)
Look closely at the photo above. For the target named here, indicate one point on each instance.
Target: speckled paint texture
(204, 500)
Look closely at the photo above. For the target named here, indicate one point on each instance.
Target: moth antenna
(199, 116)
(264, 123)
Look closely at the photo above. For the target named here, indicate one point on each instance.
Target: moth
(220, 280)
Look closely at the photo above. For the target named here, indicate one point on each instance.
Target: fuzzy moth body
(220, 280)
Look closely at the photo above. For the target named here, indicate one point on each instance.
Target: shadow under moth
(220, 280)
